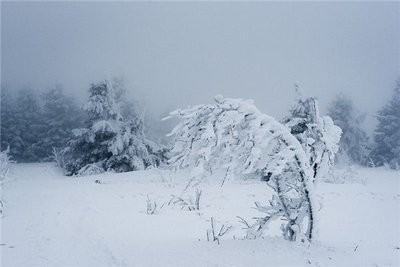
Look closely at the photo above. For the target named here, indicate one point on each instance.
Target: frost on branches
(233, 134)
(109, 141)
(318, 135)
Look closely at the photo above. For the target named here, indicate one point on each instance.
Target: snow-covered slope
(53, 220)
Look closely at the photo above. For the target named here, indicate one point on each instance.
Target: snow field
(53, 220)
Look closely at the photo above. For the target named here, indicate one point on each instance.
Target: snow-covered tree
(318, 135)
(387, 133)
(109, 141)
(354, 143)
(234, 134)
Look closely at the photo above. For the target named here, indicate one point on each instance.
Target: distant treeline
(34, 125)
(355, 145)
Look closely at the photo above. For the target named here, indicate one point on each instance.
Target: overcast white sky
(175, 54)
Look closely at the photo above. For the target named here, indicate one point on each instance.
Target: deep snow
(52, 220)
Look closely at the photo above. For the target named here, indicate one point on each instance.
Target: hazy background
(176, 54)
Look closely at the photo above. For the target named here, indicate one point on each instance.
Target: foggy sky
(176, 54)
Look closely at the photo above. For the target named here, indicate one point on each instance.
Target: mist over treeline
(180, 54)
(35, 123)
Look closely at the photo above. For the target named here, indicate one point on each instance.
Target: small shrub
(151, 207)
(190, 204)
(213, 235)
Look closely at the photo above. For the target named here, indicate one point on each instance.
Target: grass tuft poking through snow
(53, 220)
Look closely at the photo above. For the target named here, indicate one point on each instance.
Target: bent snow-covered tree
(234, 134)
(317, 134)
(109, 141)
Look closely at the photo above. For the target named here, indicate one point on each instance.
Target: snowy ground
(52, 220)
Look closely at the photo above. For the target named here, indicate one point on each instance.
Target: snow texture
(101, 220)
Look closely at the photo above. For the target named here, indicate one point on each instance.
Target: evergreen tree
(109, 141)
(90, 144)
(387, 134)
(354, 144)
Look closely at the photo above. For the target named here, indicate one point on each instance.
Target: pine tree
(89, 147)
(233, 135)
(109, 141)
(318, 135)
(354, 144)
(387, 134)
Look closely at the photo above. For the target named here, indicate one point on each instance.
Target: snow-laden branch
(317, 134)
(233, 133)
